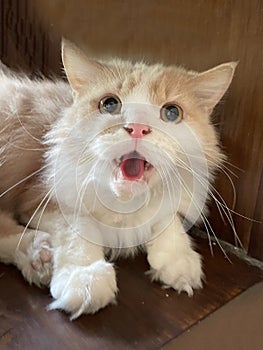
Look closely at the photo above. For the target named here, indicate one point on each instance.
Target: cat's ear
(210, 86)
(80, 70)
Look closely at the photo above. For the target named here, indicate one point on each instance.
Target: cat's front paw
(35, 262)
(83, 289)
(182, 273)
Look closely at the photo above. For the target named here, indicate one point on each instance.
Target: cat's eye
(110, 104)
(171, 113)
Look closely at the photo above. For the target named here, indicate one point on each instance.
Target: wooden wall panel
(24, 43)
(256, 240)
(197, 34)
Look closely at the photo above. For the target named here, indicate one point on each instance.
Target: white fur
(83, 289)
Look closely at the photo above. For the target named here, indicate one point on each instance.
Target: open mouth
(133, 166)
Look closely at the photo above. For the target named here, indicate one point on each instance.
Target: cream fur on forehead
(207, 87)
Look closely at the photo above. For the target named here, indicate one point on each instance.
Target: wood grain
(146, 316)
(256, 241)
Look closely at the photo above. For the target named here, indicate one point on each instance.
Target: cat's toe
(41, 255)
(45, 253)
(84, 289)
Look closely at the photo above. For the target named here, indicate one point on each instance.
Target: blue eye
(110, 104)
(171, 113)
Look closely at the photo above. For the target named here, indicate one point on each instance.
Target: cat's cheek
(84, 289)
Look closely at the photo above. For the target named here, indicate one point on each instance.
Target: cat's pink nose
(137, 131)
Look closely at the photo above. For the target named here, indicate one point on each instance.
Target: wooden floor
(146, 316)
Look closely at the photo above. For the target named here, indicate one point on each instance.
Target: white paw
(182, 273)
(83, 289)
(36, 262)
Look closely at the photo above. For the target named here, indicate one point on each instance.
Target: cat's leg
(82, 282)
(30, 251)
(173, 261)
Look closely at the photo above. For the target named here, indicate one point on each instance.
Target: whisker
(233, 166)
(33, 215)
(79, 200)
(22, 180)
(215, 237)
(166, 173)
(222, 167)
(223, 205)
(27, 131)
(82, 190)
(14, 146)
(218, 166)
(202, 216)
(42, 212)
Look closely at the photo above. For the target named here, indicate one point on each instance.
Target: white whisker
(82, 190)
(33, 215)
(42, 212)
(221, 206)
(22, 180)
(196, 206)
(207, 225)
(27, 131)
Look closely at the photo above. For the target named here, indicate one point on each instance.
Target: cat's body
(120, 165)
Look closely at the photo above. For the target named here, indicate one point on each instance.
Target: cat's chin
(126, 190)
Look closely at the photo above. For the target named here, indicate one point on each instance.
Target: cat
(120, 158)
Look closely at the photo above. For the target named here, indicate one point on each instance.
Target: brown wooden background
(195, 33)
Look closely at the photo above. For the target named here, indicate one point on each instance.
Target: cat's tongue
(132, 168)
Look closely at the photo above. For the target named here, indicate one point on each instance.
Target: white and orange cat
(121, 157)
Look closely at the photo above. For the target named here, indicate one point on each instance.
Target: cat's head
(134, 127)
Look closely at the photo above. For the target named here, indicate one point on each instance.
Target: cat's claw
(84, 289)
(183, 275)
